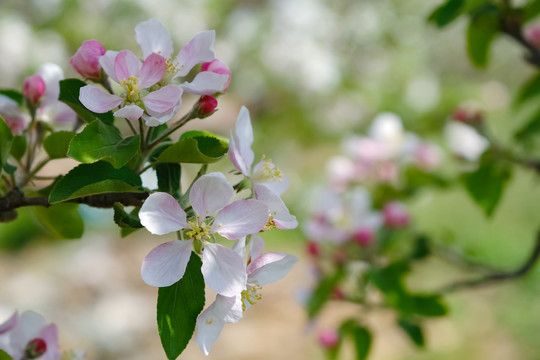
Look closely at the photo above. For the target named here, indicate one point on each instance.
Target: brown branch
(495, 277)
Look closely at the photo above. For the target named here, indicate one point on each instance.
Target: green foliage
(69, 94)
(91, 179)
(13, 95)
(323, 292)
(6, 138)
(62, 220)
(421, 248)
(531, 10)
(4, 355)
(360, 336)
(195, 147)
(56, 144)
(124, 219)
(178, 306)
(168, 175)
(413, 330)
(530, 128)
(481, 32)
(447, 13)
(100, 141)
(18, 146)
(529, 90)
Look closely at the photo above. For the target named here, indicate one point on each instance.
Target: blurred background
(311, 72)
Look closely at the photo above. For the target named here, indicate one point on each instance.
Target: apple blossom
(34, 89)
(13, 115)
(395, 215)
(86, 60)
(280, 216)
(465, 141)
(219, 67)
(206, 106)
(52, 110)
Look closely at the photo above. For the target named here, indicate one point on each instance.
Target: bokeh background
(311, 72)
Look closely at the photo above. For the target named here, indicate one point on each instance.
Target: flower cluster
(27, 336)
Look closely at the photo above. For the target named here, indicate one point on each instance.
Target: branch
(512, 27)
(498, 276)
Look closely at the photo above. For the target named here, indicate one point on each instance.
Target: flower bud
(207, 106)
(86, 60)
(532, 35)
(328, 338)
(338, 294)
(467, 116)
(395, 215)
(219, 67)
(363, 237)
(33, 89)
(313, 249)
(35, 348)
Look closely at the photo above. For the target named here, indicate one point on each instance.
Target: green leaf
(486, 184)
(125, 220)
(481, 32)
(18, 147)
(69, 94)
(62, 220)
(413, 330)
(4, 356)
(100, 141)
(421, 248)
(10, 169)
(57, 143)
(529, 90)
(447, 13)
(13, 95)
(429, 305)
(531, 10)
(360, 335)
(91, 179)
(168, 175)
(6, 138)
(322, 293)
(195, 147)
(531, 127)
(178, 306)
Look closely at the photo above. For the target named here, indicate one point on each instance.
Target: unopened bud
(33, 89)
(219, 67)
(35, 348)
(207, 106)
(329, 338)
(313, 248)
(532, 35)
(338, 294)
(467, 116)
(86, 60)
(395, 215)
(363, 237)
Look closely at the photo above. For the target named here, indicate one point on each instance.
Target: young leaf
(531, 10)
(531, 127)
(69, 94)
(168, 175)
(529, 90)
(322, 293)
(429, 305)
(91, 179)
(447, 13)
(13, 95)
(6, 138)
(125, 220)
(486, 184)
(413, 330)
(56, 144)
(100, 141)
(18, 146)
(481, 32)
(360, 335)
(4, 355)
(195, 147)
(178, 306)
(62, 220)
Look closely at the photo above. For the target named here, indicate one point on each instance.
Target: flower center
(131, 85)
(34, 349)
(268, 172)
(198, 232)
(270, 224)
(251, 295)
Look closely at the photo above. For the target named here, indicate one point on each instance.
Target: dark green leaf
(531, 10)
(10, 169)
(429, 305)
(481, 32)
(418, 178)
(168, 175)
(4, 356)
(413, 330)
(91, 179)
(57, 143)
(100, 141)
(125, 231)
(421, 248)
(322, 293)
(18, 146)
(360, 335)
(6, 138)
(62, 220)
(447, 12)
(69, 94)
(531, 127)
(486, 184)
(178, 306)
(529, 90)
(195, 147)
(125, 220)
(156, 131)
(13, 95)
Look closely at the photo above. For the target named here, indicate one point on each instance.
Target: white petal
(239, 247)
(223, 270)
(131, 112)
(51, 75)
(206, 83)
(163, 101)
(210, 193)
(263, 173)
(256, 246)
(107, 63)
(166, 264)
(9, 323)
(240, 143)
(153, 37)
(27, 328)
(241, 218)
(126, 64)
(97, 100)
(197, 51)
(465, 141)
(161, 214)
(270, 267)
(211, 321)
(276, 206)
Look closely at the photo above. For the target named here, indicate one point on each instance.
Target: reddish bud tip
(33, 89)
(313, 248)
(338, 294)
(86, 60)
(328, 338)
(35, 348)
(207, 105)
(363, 237)
(471, 117)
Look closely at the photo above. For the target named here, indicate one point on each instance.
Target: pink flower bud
(532, 35)
(338, 294)
(219, 67)
(363, 237)
(313, 248)
(328, 338)
(35, 348)
(468, 116)
(86, 59)
(207, 105)
(34, 88)
(428, 156)
(395, 215)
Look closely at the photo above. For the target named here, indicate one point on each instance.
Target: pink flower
(395, 215)
(219, 67)
(532, 35)
(34, 89)
(328, 338)
(86, 60)
(15, 118)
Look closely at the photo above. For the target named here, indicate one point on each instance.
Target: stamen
(131, 85)
(251, 295)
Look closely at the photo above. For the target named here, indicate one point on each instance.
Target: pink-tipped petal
(97, 100)
(107, 64)
(197, 51)
(211, 321)
(161, 214)
(126, 64)
(219, 67)
(131, 112)
(166, 264)
(223, 270)
(270, 267)
(210, 193)
(153, 37)
(9, 323)
(162, 101)
(86, 60)
(156, 119)
(50, 335)
(206, 83)
(240, 143)
(276, 206)
(241, 218)
(152, 70)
